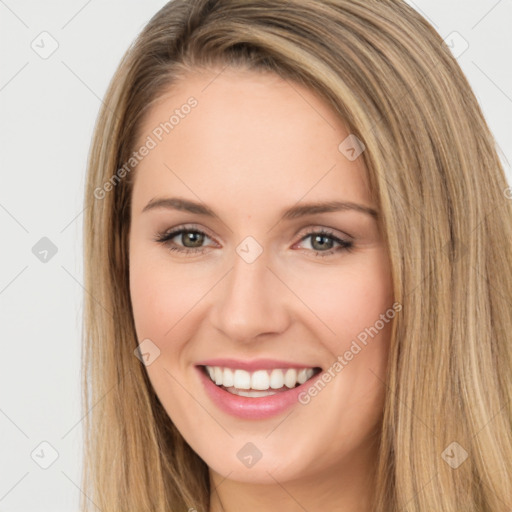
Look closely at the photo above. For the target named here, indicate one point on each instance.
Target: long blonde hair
(434, 172)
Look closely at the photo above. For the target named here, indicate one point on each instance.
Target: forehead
(251, 137)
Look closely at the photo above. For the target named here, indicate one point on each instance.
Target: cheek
(348, 299)
(147, 295)
(161, 294)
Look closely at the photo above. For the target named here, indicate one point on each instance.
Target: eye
(322, 241)
(191, 239)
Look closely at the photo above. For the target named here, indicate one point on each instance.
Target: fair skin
(253, 147)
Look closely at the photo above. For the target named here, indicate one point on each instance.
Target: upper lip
(254, 364)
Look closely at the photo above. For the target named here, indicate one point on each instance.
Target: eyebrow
(185, 205)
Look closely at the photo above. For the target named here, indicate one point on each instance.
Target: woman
(297, 249)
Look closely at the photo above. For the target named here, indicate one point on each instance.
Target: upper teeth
(260, 379)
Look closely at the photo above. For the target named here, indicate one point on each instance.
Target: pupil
(190, 237)
(316, 238)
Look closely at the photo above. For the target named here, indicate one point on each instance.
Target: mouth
(260, 382)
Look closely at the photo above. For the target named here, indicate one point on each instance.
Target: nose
(251, 301)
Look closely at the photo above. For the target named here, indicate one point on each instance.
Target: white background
(48, 109)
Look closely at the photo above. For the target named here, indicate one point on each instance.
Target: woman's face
(270, 289)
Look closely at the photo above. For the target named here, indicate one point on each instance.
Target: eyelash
(166, 237)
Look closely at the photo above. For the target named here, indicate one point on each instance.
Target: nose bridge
(251, 300)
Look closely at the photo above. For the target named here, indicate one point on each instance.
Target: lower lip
(253, 408)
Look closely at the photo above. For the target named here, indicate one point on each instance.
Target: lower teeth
(254, 393)
(250, 393)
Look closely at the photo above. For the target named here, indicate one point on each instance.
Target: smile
(260, 382)
(255, 390)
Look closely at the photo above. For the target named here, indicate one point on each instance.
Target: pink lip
(255, 364)
(253, 408)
